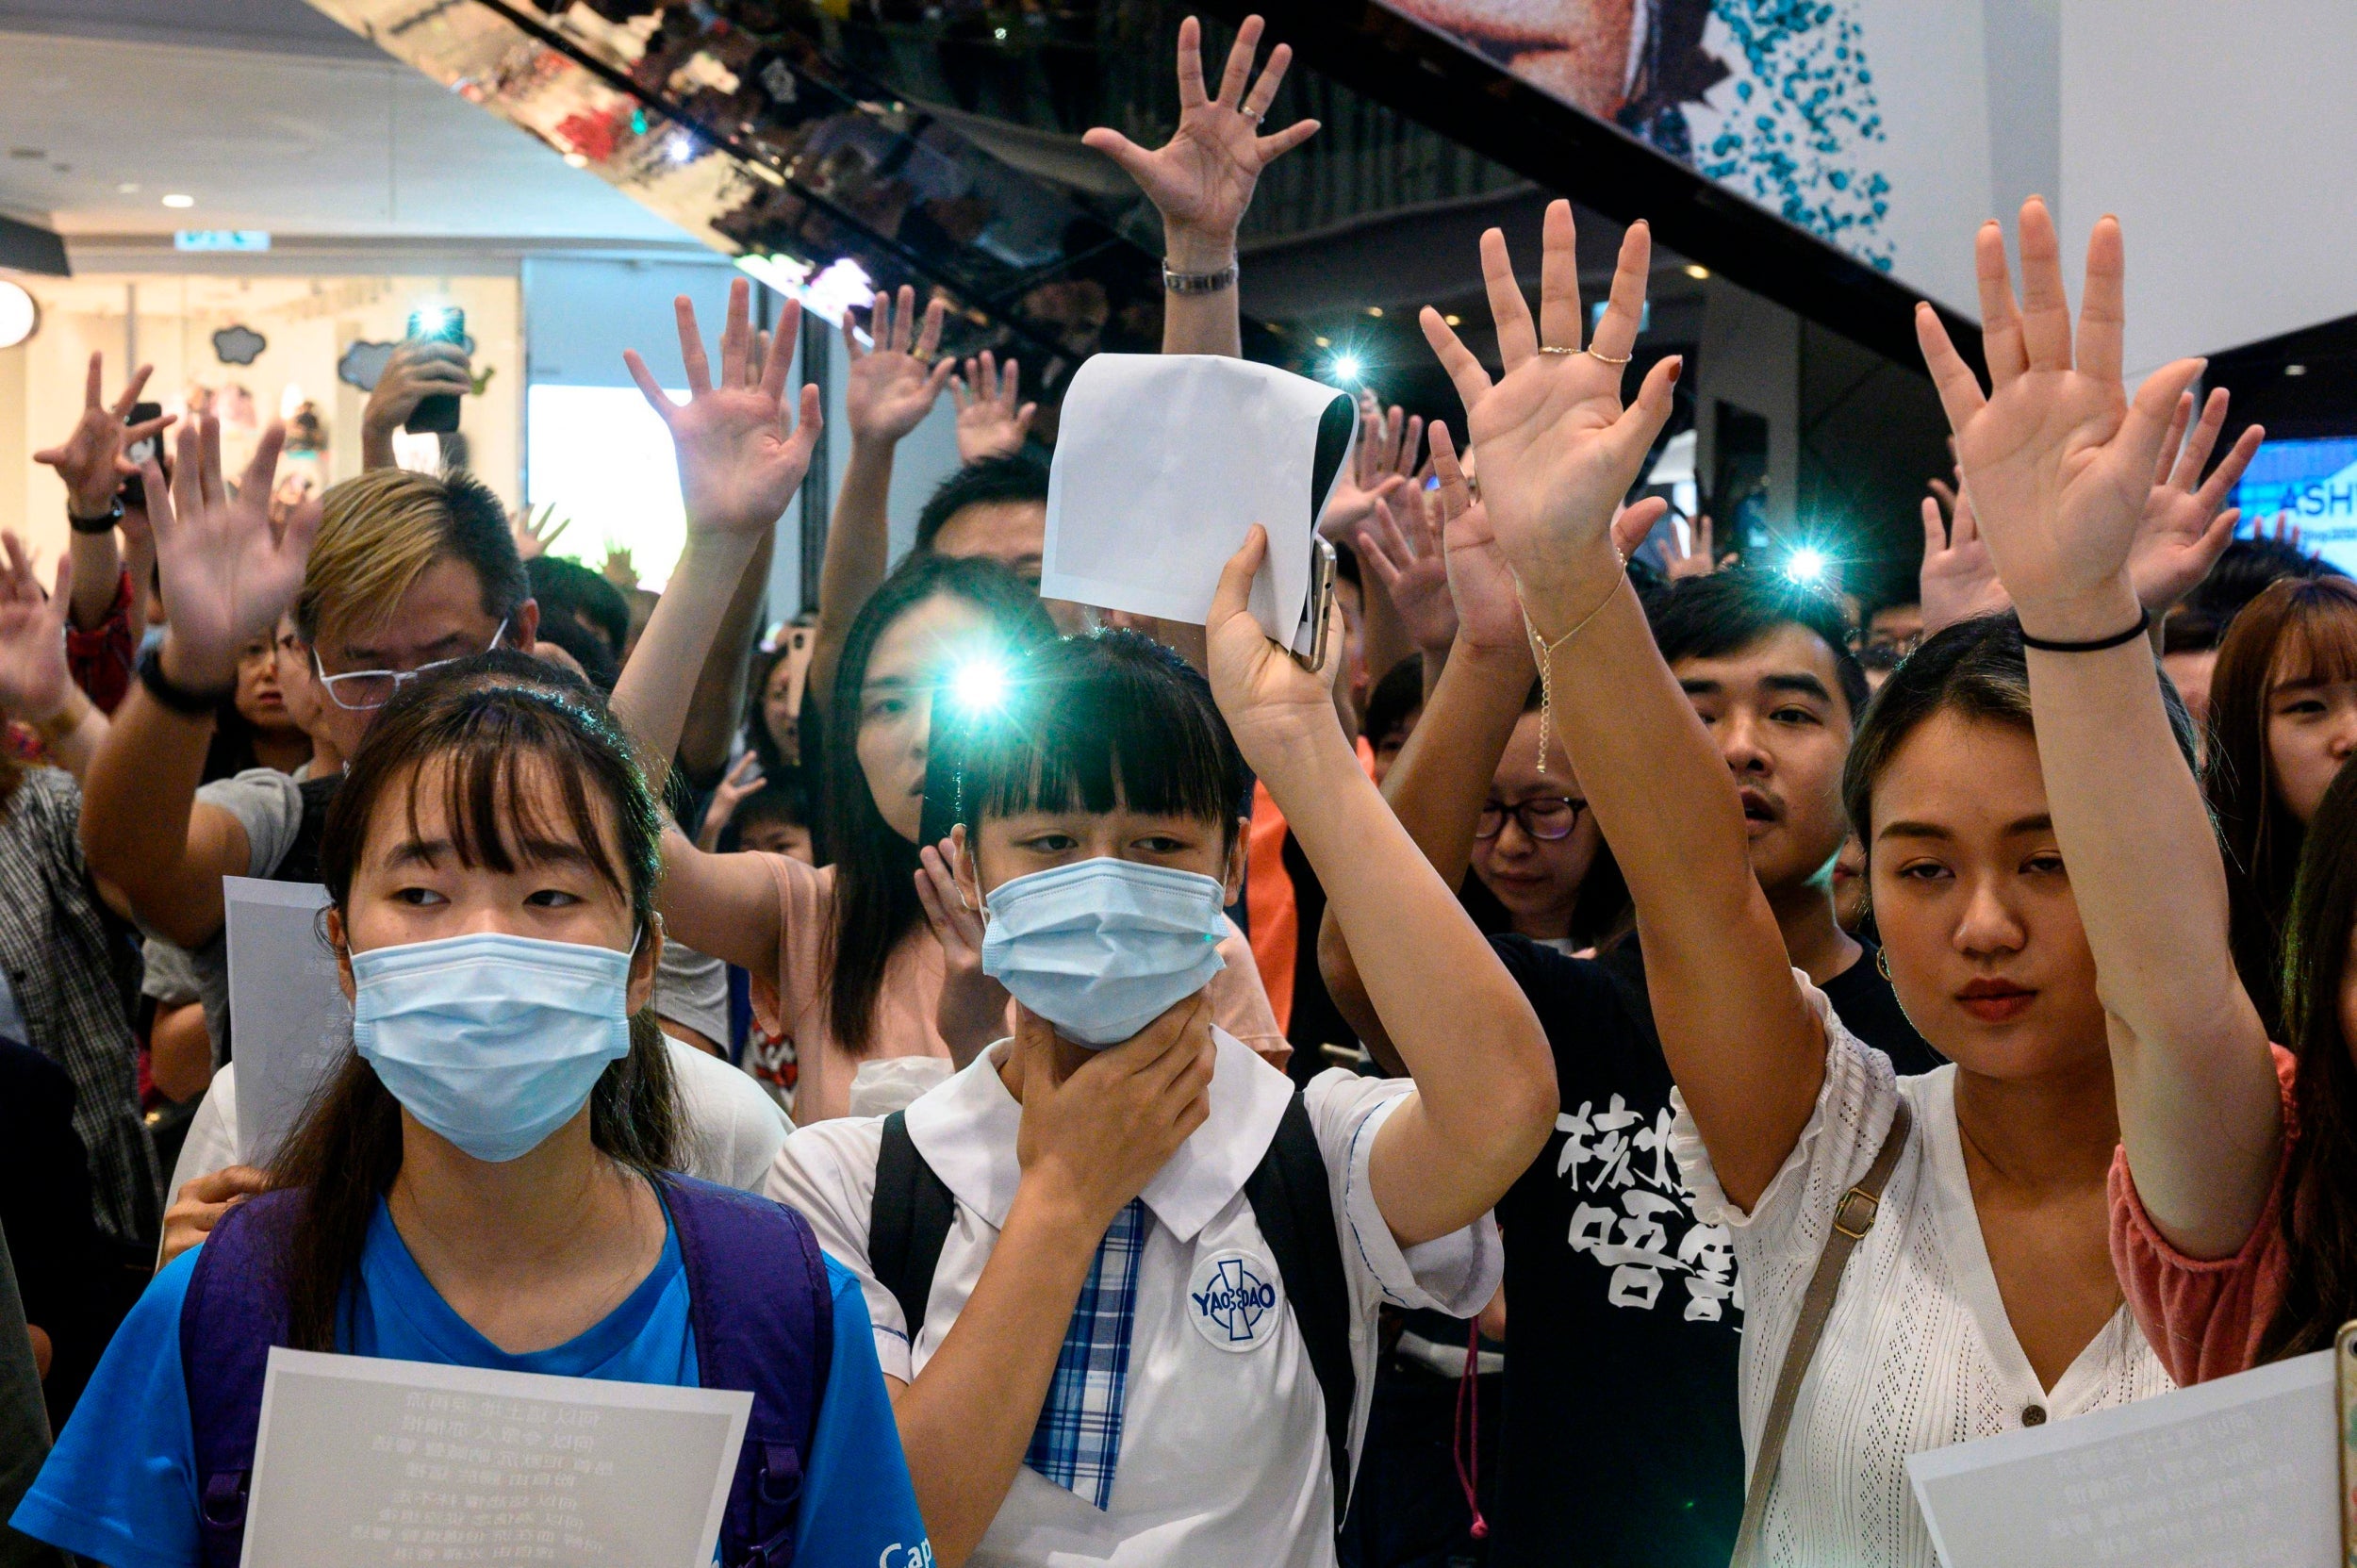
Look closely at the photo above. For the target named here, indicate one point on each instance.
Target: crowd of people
(1599, 1071)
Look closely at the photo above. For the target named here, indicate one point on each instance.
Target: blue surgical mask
(492, 1041)
(1100, 947)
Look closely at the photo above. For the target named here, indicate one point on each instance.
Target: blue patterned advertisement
(2310, 484)
(1858, 121)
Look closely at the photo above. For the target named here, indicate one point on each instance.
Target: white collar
(967, 1129)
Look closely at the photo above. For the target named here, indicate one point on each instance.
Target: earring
(1882, 961)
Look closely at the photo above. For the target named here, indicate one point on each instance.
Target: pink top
(795, 1004)
(2204, 1317)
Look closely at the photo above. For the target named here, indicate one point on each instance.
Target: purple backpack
(758, 1304)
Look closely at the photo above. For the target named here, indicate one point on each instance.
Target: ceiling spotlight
(128, 187)
(1325, 342)
(19, 315)
(1696, 271)
(1454, 320)
(2294, 369)
(1376, 311)
(176, 200)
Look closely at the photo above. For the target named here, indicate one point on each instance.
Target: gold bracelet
(1543, 652)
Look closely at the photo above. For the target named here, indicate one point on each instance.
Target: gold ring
(1605, 358)
(1550, 348)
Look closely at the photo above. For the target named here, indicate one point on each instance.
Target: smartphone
(134, 491)
(1317, 612)
(438, 414)
(2345, 1380)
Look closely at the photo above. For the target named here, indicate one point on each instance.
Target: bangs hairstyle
(1975, 669)
(875, 907)
(2298, 628)
(2318, 1212)
(1098, 722)
(379, 532)
(489, 732)
(1726, 612)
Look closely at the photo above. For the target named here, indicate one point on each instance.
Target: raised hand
(1405, 550)
(1696, 559)
(2057, 461)
(228, 571)
(536, 531)
(619, 569)
(1957, 580)
(1559, 450)
(742, 780)
(1271, 702)
(1201, 179)
(1382, 462)
(91, 459)
(892, 385)
(740, 458)
(972, 1011)
(989, 423)
(1480, 584)
(34, 682)
(2186, 524)
(419, 369)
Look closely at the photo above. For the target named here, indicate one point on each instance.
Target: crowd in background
(1600, 915)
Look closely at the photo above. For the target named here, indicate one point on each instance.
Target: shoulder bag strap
(1852, 1217)
(908, 1220)
(1292, 1204)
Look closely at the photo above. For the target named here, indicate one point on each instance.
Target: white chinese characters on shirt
(1645, 1231)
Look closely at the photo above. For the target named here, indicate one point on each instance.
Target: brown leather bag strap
(1852, 1218)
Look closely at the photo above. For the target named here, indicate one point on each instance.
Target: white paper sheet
(2240, 1473)
(363, 1463)
(288, 1014)
(1163, 462)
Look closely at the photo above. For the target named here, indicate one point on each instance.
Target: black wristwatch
(178, 699)
(106, 522)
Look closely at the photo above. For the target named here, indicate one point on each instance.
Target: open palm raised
(1559, 450)
(228, 571)
(34, 681)
(2057, 461)
(740, 460)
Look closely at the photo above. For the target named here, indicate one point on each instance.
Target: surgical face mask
(1101, 947)
(492, 1041)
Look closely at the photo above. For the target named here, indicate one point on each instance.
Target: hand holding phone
(438, 411)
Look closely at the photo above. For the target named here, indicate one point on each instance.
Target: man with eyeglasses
(1623, 1314)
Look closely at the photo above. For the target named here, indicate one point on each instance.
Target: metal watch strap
(1198, 283)
(174, 698)
(1852, 1217)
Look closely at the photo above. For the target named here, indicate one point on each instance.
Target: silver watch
(1198, 283)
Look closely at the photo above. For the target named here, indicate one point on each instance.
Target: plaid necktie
(1078, 1440)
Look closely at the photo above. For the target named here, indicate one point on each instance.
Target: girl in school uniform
(1124, 1279)
(490, 1180)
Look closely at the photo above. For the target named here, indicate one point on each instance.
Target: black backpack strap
(907, 1222)
(1293, 1203)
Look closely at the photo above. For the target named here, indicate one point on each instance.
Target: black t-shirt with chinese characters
(1623, 1314)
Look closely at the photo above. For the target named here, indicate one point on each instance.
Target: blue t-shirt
(121, 1489)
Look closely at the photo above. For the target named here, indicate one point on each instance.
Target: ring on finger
(1552, 348)
(1604, 358)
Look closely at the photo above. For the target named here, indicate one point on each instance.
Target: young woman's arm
(2058, 463)
(1442, 777)
(890, 389)
(740, 461)
(1558, 453)
(1201, 180)
(1485, 1093)
(1088, 1146)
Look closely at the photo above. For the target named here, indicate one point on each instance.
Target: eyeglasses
(364, 690)
(1548, 818)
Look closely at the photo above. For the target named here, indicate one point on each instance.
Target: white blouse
(1918, 1352)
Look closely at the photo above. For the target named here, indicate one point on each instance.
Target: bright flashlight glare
(1806, 565)
(1346, 367)
(979, 685)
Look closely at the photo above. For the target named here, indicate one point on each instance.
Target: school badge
(1235, 1301)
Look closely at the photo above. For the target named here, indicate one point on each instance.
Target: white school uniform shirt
(1223, 1444)
(1918, 1352)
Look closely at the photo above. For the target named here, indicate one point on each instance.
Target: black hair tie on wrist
(2144, 625)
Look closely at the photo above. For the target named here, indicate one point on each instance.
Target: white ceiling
(272, 117)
